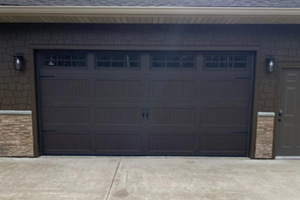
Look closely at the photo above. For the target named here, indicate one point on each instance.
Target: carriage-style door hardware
(280, 114)
(147, 113)
(143, 113)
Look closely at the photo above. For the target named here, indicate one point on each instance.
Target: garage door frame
(34, 74)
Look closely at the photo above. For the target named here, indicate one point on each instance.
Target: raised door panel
(118, 89)
(225, 89)
(66, 115)
(172, 89)
(117, 142)
(172, 116)
(172, 142)
(66, 142)
(126, 115)
(75, 88)
(219, 117)
(216, 143)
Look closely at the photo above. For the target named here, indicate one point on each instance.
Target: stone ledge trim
(266, 114)
(15, 112)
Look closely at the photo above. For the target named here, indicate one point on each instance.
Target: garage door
(145, 103)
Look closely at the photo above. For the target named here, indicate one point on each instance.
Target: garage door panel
(64, 88)
(66, 142)
(220, 143)
(118, 89)
(181, 103)
(118, 115)
(224, 116)
(110, 142)
(223, 103)
(225, 89)
(172, 89)
(165, 142)
(175, 116)
(60, 115)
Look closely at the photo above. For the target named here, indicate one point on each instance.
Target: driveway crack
(113, 180)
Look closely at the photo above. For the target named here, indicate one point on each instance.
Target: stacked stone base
(264, 135)
(16, 138)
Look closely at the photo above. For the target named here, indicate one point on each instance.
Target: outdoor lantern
(270, 65)
(18, 61)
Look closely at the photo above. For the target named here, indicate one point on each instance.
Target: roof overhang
(149, 15)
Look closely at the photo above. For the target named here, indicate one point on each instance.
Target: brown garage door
(145, 103)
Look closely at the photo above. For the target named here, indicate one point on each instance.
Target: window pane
(64, 63)
(212, 65)
(187, 58)
(158, 64)
(134, 64)
(119, 60)
(49, 63)
(133, 57)
(48, 57)
(78, 57)
(78, 63)
(188, 64)
(212, 58)
(117, 64)
(65, 60)
(240, 65)
(224, 58)
(118, 57)
(64, 57)
(240, 58)
(173, 58)
(159, 57)
(223, 65)
(226, 61)
(103, 64)
(173, 64)
(103, 57)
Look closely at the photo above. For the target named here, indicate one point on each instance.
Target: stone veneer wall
(16, 137)
(264, 135)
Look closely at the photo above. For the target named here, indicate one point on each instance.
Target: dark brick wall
(282, 41)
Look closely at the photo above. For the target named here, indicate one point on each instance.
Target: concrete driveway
(148, 178)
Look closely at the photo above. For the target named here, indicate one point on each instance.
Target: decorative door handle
(280, 113)
(147, 113)
(143, 113)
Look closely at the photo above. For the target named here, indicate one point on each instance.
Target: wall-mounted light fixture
(270, 64)
(19, 61)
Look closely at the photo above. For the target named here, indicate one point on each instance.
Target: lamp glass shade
(270, 65)
(18, 62)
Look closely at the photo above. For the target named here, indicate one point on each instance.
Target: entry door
(289, 118)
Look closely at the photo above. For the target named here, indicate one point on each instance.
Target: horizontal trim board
(15, 112)
(156, 48)
(266, 114)
(130, 10)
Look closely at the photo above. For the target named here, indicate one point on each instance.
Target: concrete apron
(148, 178)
